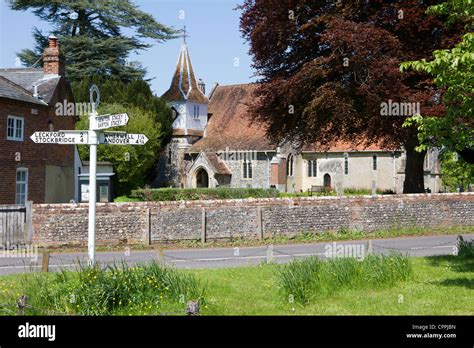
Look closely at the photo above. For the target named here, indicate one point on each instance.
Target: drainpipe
(268, 169)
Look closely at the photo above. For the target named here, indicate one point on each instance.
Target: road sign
(61, 137)
(108, 121)
(122, 138)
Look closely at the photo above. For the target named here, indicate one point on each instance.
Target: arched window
(289, 165)
(374, 162)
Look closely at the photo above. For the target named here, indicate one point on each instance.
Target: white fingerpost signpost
(93, 137)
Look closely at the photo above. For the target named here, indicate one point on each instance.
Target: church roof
(184, 85)
(231, 125)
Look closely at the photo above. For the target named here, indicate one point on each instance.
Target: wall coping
(251, 201)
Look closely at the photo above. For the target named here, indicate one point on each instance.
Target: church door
(202, 178)
(327, 180)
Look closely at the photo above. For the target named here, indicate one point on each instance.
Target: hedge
(177, 194)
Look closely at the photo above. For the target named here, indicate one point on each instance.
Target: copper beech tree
(327, 67)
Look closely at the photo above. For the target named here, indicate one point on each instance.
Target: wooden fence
(16, 225)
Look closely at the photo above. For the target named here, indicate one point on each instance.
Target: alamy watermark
(392, 108)
(66, 108)
(24, 252)
(239, 155)
(334, 250)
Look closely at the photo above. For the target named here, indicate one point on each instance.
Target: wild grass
(305, 280)
(117, 289)
(465, 247)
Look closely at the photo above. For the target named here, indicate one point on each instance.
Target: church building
(216, 144)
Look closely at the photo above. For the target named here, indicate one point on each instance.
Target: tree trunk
(414, 180)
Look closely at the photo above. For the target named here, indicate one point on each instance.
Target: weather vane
(185, 35)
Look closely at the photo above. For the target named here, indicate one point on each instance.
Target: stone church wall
(250, 218)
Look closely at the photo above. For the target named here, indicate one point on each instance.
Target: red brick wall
(33, 156)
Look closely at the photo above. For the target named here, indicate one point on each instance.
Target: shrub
(465, 247)
(312, 277)
(117, 289)
(176, 194)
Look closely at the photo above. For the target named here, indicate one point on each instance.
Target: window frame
(25, 182)
(312, 168)
(290, 166)
(15, 129)
(346, 164)
(196, 111)
(247, 170)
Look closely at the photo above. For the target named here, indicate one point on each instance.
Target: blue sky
(214, 43)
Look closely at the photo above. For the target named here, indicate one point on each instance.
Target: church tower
(190, 113)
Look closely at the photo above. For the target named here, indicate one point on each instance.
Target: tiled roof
(183, 85)
(11, 90)
(230, 125)
(341, 146)
(219, 165)
(30, 77)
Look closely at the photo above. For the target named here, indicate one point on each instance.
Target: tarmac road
(237, 257)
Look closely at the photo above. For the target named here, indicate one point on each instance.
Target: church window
(346, 164)
(196, 111)
(169, 155)
(247, 168)
(289, 166)
(374, 162)
(312, 168)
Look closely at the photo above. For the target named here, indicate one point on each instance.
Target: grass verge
(441, 285)
(114, 290)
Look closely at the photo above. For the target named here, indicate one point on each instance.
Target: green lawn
(439, 286)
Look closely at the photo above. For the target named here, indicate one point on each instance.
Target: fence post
(160, 256)
(22, 303)
(270, 254)
(259, 224)
(45, 262)
(29, 222)
(147, 232)
(203, 226)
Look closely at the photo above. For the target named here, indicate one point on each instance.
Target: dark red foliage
(299, 48)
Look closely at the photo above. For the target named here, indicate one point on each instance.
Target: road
(236, 257)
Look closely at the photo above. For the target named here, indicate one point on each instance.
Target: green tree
(132, 164)
(452, 70)
(136, 93)
(91, 35)
(455, 171)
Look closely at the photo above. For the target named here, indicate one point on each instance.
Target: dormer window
(196, 111)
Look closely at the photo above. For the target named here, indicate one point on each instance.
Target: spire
(184, 85)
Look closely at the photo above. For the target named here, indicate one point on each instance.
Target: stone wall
(250, 218)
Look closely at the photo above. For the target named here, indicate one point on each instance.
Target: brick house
(42, 173)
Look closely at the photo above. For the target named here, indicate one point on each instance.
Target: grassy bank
(437, 286)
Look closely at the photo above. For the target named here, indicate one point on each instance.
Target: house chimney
(53, 59)
(202, 86)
